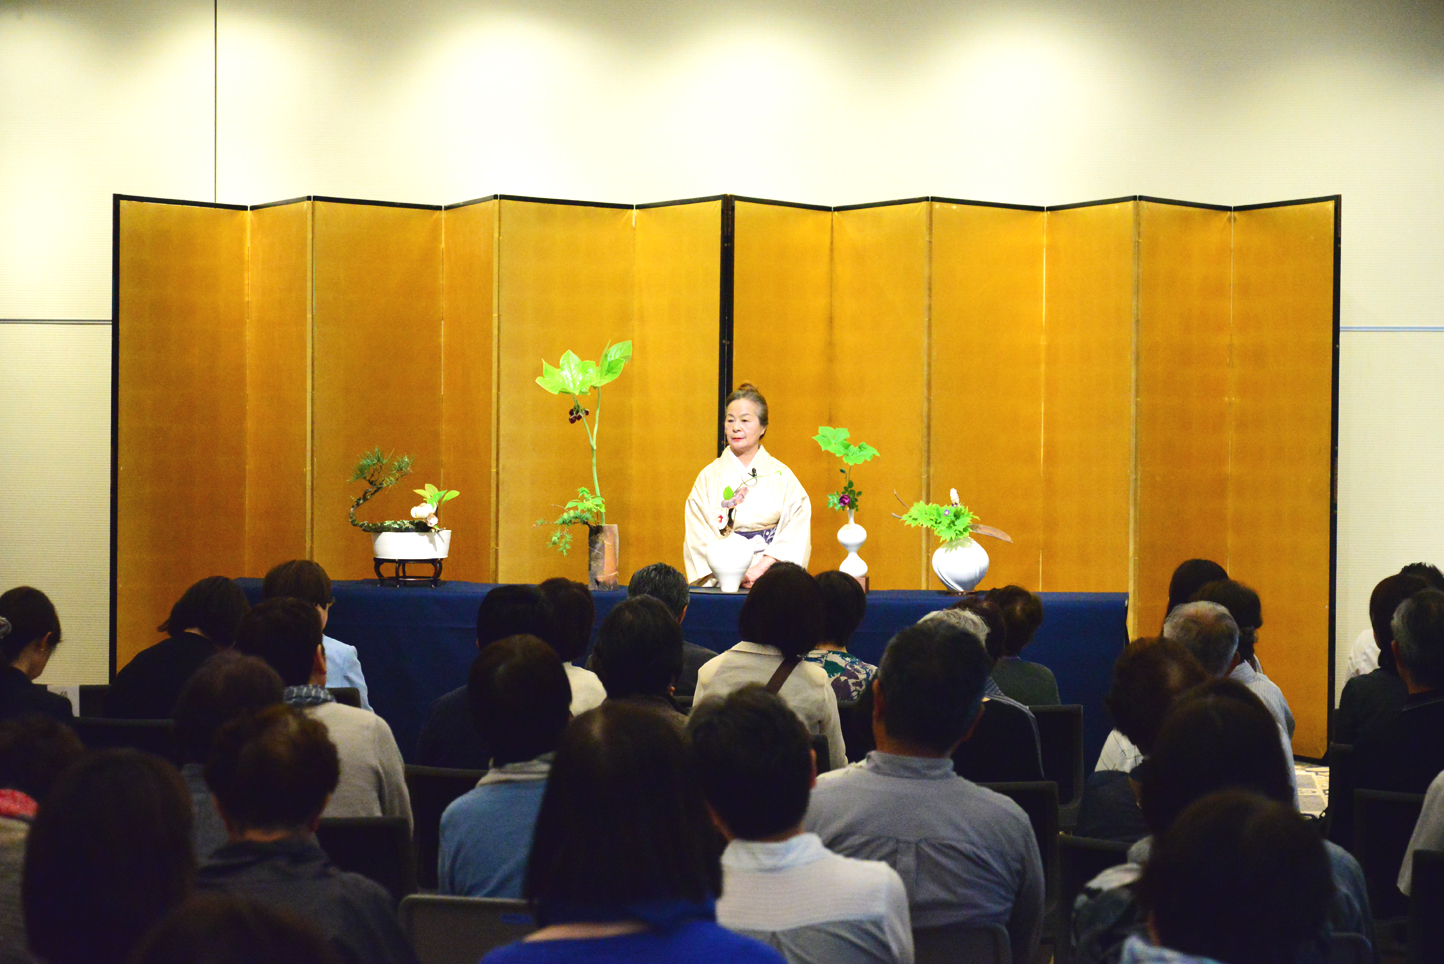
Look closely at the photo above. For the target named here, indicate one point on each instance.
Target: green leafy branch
(583, 510)
(434, 497)
(380, 472)
(949, 523)
(834, 441)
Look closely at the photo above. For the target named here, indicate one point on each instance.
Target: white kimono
(775, 501)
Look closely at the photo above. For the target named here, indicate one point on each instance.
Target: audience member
(226, 685)
(624, 865)
(574, 613)
(639, 654)
(1238, 879)
(1216, 736)
(271, 771)
(519, 699)
(1378, 694)
(667, 583)
(448, 735)
(201, 622)
(224, 928)
(108, 855)
(780, 623)
(1147, 677)
(1243, 605)
(844, 603)
(1366, 653)
(1004, 746)
(1031, 684)
(286, 633)
(965, 854)
(1191, 576)
(779, 883)
(34, 752)
(1428, 832)
(29, 633)
(305, 580)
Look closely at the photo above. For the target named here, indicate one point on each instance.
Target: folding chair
(432, 790)
(349, 695)
(1039, 800)
(1426, 908)
(152, 736)
(1060, 738)
(460, 930)
(1080, 859)
(375, 847)
(960, 944)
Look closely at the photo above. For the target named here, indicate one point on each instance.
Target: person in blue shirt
(306, 580)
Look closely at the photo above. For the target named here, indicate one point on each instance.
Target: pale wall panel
(1182, 468)
(377, 380)
(181, 453)
(1088, 328)
(987, 377)
(468, 399)
(879, 364)
(1280, 489)
(782, 340)
(674, 419)
(566, 276)
(278, 388)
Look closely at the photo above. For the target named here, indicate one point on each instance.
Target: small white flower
(433, 521)
(954, 494)
(421, 511)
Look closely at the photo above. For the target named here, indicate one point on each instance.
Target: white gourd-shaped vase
(961, 564)
(852, 536)
(729, 559)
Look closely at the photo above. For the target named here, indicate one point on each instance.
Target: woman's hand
(758, 568)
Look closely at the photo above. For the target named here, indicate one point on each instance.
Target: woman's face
(744, 429)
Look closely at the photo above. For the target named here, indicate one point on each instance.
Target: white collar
(805, 848)
(526, 770)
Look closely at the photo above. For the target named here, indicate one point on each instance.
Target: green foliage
(574, 376)
(585, 510)
(948, 522)
(379, 472)
(834, 441)
(847, 497)
(435, 497)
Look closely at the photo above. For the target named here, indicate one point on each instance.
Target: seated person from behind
(29, 633)
(448, 735)
(1364, 657)
(1191, 576)
(1243, 605)
(1377, 695)
(202, 622)
(218, 928)
(779, 883)
(519, 697)
(1147, 677)
(1216, 736)
(663, 582)
(639, 655)
(286, 633)
(271, 771)
(306, 580)
(574, 613)
(780, 623)
(844, 603)
(1031, 684)
(227, 685)
(1237, 879)
(966, 855)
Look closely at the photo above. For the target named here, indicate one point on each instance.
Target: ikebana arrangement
(418, 539)
(835, 441)
(959, 562)
(577, 378)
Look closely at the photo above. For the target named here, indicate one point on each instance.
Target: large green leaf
(573, 374)
(551, 379)
(859, 453)
(614, 359)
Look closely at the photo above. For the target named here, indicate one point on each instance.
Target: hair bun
(747, 387)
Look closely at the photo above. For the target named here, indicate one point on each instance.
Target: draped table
(417, 643)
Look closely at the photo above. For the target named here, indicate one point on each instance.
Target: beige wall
(439, 100)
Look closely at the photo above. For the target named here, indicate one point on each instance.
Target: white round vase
(408, 546)
(729, 559)
(852, 536)
(961, 564)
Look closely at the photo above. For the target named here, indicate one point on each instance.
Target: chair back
(460, 930)
(432, 789)
(856, 718)
(1060, 738)
(375, 847)
(1080, 859)
(1383, 823)
(821, 748)
(1341, 777)
(152, 736)
(1039, 800)
(348, 695)
(962, 944)
(92, 698)
(1426, 901)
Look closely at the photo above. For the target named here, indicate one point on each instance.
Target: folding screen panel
(1088, 339)
(782, 319)
(566, 282)
(673, 380)
(1285, 336)
(986, 417)
(468, 393)
(180, 409)
(1182, 432)
(879, 361)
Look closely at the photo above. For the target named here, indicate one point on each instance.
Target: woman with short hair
(29, 633)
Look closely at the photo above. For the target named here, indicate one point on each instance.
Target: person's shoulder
(707, 941)
(334, 646)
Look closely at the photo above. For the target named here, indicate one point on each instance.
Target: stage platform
(418, 643)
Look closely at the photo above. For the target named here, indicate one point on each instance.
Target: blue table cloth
(416, 643)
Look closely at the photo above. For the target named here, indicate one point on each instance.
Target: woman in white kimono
(768, 507)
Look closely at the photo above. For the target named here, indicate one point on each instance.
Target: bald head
(1206, 630)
